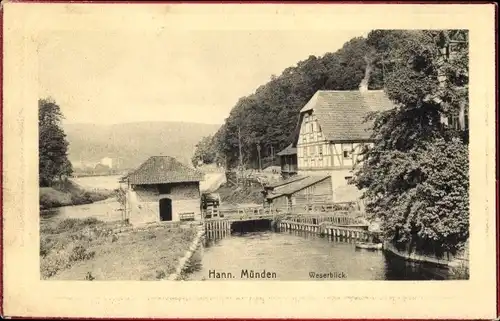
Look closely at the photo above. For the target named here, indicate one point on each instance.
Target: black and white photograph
(344, 159)
(208, 148)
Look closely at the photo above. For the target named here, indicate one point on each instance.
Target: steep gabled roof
(342, 114)
(163, 170)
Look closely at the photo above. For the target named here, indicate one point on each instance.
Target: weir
(333, 223)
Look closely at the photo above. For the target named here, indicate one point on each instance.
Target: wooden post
(260, 161)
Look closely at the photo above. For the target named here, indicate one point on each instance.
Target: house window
(320, 150)
(347, 154)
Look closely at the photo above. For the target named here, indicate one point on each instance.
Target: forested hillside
(269, 115)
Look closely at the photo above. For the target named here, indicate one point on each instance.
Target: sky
(109, 77)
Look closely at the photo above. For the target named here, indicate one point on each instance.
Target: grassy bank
(88, 249)
(70, 194)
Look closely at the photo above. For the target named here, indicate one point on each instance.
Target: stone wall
(447, 259)
(143, 202)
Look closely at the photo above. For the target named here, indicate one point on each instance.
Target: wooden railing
(327, 229)
(338, 210)
(335, 218)
(318, 208)
(239, 212)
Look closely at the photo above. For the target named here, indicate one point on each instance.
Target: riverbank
(458, 266)
(70, 194)
(88, 249)
(185, 263)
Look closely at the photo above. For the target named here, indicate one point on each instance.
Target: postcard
(249, 160)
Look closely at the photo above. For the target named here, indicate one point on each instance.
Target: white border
(26, 295)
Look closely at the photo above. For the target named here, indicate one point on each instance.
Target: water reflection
(293, 255)
(108, 210)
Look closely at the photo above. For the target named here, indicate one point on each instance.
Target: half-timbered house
(331, 134)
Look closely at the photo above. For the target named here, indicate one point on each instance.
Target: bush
(79, 253)
(69, 194)
(50, 198)
(72, 224)
(422, 196)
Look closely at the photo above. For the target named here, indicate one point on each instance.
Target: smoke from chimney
(363, 86)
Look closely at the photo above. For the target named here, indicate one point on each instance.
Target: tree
(52, 143)
(269, 116)
(415, 178)
(205, 151)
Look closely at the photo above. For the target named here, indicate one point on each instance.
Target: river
(294, 255)
(291, 255)
(109, 210)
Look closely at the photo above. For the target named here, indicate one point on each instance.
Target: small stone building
(163, 189)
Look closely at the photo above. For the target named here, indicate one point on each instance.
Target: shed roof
(285, 182)
(297, 186)
(163, 170)
(289, 150)
(342, 114)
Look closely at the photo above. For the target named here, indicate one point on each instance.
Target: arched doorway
(165, 209)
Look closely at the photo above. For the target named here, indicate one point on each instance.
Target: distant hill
(133, 143)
